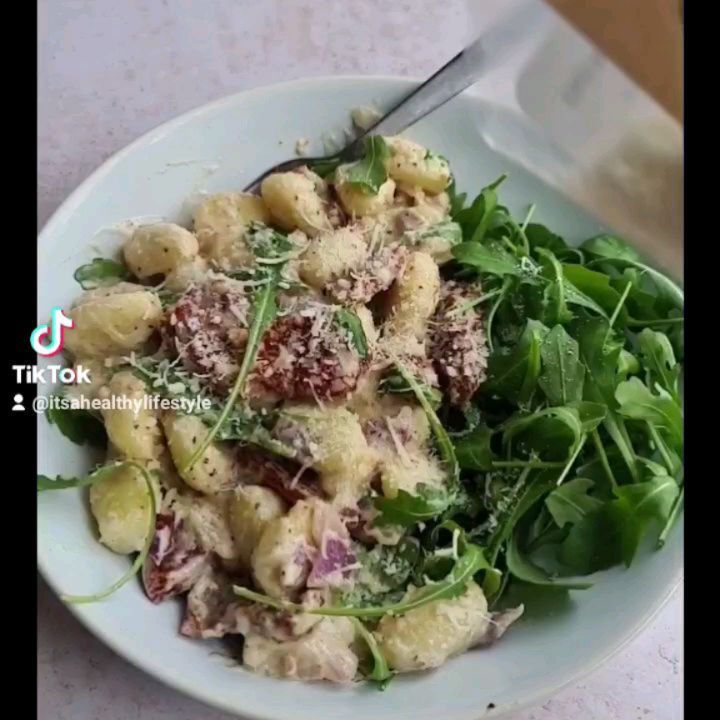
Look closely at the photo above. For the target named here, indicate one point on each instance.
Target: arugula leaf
(476, 219)
(101, 272)
(638, 402)
(267, 244)
(541, 237)
(407, 510)
(627, 364)
(593, 290)
(61, 483)
(447, 230)
(369, 173)
(350, 322)
(395, 384)
(522, 568)
(613, 252)
(659, 359)
(470, 562)
(613, 532)
(79, 426)
(599, 353)
(610, 247)
(384, 569)
(167, 298)
(570, 503)
(324, 168)
(513, 372)
(529, 493)
(556, 309)
(551, 434)
(672, 517)
(591, 414)
(45, 483)
(380, 672)
(563, 374)
(445, 446)
(457, 200)
(492, 259)
(473, 449)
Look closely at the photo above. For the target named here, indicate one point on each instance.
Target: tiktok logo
(47, 340)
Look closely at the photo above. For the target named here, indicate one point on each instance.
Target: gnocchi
(112, 321)
(340, 452)
(187, 273)
(252, 508)
(120, 503)
(159, 249)
(331, 255)
(414, 297)
(294, 203)
(281, 559)
(135, 430)
(209, 519)
(214, 471)
(220, 224)
(358, 203)
(427, 636)
(325, 653)
(411, 164)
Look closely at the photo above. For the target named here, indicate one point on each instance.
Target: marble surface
(108, 72)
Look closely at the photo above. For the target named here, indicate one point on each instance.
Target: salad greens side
(576, 440)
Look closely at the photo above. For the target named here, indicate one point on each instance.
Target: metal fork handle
(487, 52)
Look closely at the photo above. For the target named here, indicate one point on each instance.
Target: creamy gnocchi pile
(316, 319)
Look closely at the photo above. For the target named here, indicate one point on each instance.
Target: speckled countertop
(108, 72)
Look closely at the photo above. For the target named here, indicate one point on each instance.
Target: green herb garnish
(352, 326)
(101, 272)
(78, 425)
(380, 672)
(369, 173)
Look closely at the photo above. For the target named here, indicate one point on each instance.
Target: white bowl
(222, 146)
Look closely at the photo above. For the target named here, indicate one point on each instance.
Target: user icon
(18, 399)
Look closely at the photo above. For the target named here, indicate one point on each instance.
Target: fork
(488, 51)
